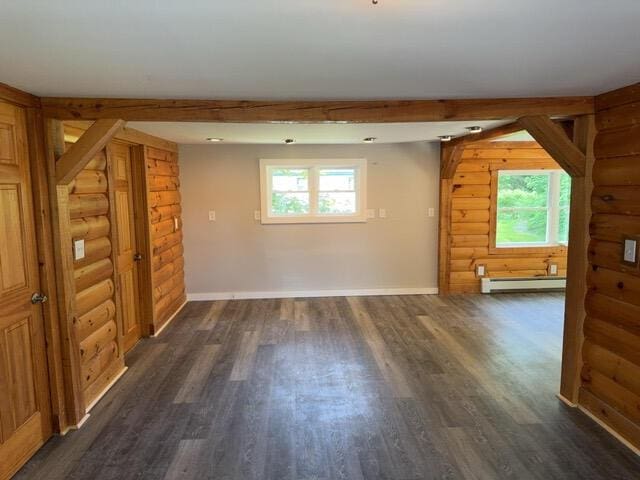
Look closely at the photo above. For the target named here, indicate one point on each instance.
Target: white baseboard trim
(201, 297)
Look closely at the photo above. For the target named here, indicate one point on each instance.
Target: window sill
(552, 250)
(312, 220)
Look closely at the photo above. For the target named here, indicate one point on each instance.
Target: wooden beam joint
(450, 158)
(553, 138)
(87, 146)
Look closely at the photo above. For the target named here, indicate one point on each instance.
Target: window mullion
(314, 187)
(554, 212)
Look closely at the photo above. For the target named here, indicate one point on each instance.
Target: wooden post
(59, 201)
(577, 262)
(47, 264)
(444, 247)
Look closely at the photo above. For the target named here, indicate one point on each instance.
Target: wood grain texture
(612, 328)
(91, 219)
(94, 140)
(130, 136)
(165, 233)
(17, 97)
(555, 141)
(470, 225)
(577, 264)
(320, 111)
(25, 408)
(415, 387)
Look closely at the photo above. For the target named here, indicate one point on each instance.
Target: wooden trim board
(169, 320)
(106, 389)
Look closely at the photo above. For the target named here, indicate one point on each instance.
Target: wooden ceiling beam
(486, 135)
(384, 111)
(553, 138)
(18, 97)
(88, 145)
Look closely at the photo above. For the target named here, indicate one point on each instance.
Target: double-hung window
(313, 191)
(532, 208)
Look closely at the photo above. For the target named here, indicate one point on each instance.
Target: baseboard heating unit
(495, 285)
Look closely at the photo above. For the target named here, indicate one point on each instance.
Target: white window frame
(358, 164)
(553, 209)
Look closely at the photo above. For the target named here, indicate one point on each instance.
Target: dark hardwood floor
(415, 387)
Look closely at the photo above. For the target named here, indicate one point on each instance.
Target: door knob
(38, 297)
(137, 257)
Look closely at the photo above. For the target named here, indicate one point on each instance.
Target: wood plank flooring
(414, 387)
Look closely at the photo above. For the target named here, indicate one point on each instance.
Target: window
(313, 191)
(532, 208)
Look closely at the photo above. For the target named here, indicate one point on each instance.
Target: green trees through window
(532, 208)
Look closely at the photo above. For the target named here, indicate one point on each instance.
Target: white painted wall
(238, 256)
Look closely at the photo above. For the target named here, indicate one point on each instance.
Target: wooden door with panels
(127, 254)
(25, 411)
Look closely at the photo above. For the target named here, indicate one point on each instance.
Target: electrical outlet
(630, 252)
(371, 213)
(78, 249)
(553, 269)
(212, 215)
(382, 213)
(480, 271)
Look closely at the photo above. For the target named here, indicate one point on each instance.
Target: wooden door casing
(25, 412)
(120, 159)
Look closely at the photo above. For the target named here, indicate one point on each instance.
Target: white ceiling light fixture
(475, 129)
(445, 138)
(214, 139)
(369, 140)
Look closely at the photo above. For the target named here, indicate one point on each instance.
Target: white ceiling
(193, 133)
(319, 49)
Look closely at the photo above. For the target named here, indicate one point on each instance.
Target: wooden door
(25, 412)
(126, 246)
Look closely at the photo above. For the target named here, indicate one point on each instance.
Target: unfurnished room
(284, 240)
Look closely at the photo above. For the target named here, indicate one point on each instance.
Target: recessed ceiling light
(289, 141)
(474, 129)
(445, 138)
(369, 139)
(214, 139)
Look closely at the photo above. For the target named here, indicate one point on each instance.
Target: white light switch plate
(212, 215)
(382, 213)
(630, 249)
(553, 269)
(78, 249)
(480, 271)
(256, 214)
(432, 212)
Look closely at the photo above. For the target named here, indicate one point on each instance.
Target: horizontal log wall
(165, 224)
(611, 352)
(471, 202)
(101, 358)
